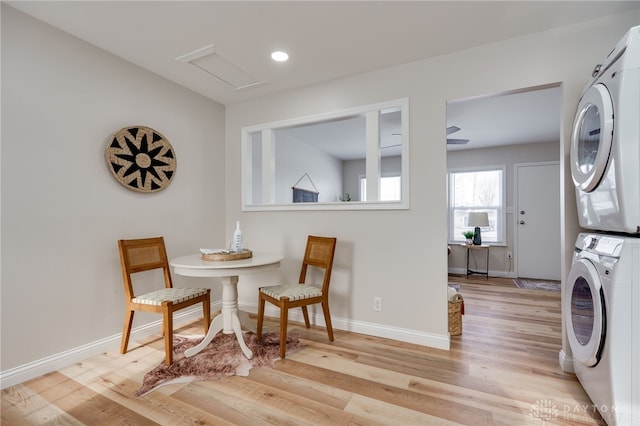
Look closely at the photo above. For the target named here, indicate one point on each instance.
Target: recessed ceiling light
(279, 56)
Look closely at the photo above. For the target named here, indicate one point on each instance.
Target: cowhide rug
(220, 358)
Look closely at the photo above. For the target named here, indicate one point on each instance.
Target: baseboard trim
(438, 341)
(31, 370)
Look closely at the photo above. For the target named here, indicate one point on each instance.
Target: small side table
(477, 247)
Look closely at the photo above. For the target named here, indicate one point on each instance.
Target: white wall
(504, 156)
(400, 255)
(63, 212)
(352, 170)
(295, 158)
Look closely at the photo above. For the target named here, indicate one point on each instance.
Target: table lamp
(477, 219)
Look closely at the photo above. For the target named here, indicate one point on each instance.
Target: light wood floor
(502, 370)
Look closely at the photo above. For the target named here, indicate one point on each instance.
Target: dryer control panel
(604, 245)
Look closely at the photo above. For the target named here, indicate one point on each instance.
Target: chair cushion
(175, 295)
(293, 292)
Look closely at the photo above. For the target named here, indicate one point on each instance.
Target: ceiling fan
(453, 129)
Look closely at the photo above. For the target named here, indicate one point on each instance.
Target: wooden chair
(319, 253)
(147, 254)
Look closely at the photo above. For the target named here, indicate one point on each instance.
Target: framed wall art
(141, 159)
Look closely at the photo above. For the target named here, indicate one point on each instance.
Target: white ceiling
(326, 40)
(519, 117)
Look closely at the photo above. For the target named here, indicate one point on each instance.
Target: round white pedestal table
(231, 319)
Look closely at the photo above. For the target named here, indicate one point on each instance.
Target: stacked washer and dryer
(602, 293)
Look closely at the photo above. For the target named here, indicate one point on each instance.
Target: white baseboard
(31, 370)
(439, 341)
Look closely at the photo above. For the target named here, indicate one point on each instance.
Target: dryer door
(585, 313)
(591, 138)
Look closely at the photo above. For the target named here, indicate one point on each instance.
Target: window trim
(382, 175)
(372, 158)
(501, 214)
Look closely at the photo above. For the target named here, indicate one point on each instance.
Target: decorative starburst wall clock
(141, 159)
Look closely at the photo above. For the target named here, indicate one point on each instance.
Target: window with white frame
(390, 188)
(477, 190)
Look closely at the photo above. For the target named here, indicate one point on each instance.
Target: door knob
(521, 211)
(522, 222)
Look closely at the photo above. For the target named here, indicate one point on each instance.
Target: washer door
(591, 138)
(585, 313)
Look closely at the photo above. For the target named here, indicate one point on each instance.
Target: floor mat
(535, 284)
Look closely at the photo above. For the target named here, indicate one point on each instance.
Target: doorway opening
(510, 130)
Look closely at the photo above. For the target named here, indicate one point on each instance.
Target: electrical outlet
(509, 255)
(377, 304)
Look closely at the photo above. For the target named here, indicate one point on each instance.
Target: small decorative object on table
(478, 220)
(236, 242)
(235, 252)
(214, 255)
(468, 235)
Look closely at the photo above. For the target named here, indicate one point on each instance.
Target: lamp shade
(478, 219)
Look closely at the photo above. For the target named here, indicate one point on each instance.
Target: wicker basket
(455, 316)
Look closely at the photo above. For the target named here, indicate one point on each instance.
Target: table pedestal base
(230, 321)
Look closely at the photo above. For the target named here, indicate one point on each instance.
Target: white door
(537, 221)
